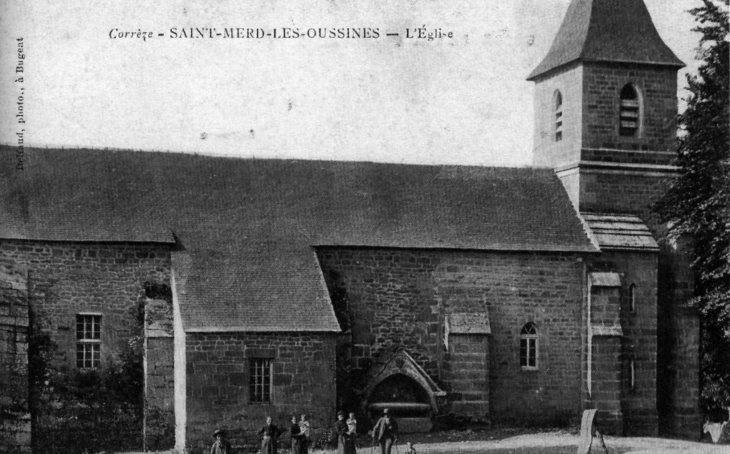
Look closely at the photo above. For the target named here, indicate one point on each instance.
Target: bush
(77, 411)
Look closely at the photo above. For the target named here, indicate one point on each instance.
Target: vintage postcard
(252, 226)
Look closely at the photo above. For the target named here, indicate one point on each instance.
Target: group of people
(385, 433)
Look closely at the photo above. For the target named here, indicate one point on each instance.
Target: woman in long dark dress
(304, 431)
(345, 440)
(295, 434)
(342, 432)
(269, 434)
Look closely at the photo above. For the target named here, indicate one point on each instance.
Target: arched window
(632, 298)
(558, 116)
(630, 111)
(528, 346)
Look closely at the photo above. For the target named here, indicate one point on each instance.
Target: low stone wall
(15, 421)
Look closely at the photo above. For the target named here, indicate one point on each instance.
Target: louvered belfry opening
(629, 116)
(558, 116)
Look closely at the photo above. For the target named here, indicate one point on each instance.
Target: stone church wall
(639, 342)
(621, 192)
(657, 87)
(65, 279)
(159, 369)
(218, 397)
(398, 297)
(550, 152)
(69, 278)
(678, 332)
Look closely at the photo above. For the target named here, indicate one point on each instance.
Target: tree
(697, 203)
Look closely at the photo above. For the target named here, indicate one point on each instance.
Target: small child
(304, 428)
(352, 424)
(410, 449)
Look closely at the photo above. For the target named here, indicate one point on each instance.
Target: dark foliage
(697, 203)
(158, 291)
(76, 411)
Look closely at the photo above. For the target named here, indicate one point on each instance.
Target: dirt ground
(522, 441)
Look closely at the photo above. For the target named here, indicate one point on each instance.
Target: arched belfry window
(630, 111)
(528, 346)
(632, 298)
(558, 116)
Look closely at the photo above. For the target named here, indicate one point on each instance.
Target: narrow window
(88, 341)
(632, 298)
(629, 112)
(558, 116)
(632, 375)
(528, 346)
(260, 379)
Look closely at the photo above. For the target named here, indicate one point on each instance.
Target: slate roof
(607, 31)
(620, 231)
(604, 279)
(246, 229)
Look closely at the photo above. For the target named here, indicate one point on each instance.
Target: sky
(458, 99)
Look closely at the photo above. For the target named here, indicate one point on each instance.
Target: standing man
(385, 432)
(269, 434)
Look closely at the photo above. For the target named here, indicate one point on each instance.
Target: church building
(449, 294)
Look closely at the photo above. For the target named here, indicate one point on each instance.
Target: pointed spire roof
(610, 31)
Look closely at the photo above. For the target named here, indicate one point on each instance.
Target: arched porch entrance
(398, 383)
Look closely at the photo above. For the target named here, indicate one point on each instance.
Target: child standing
(352, 425)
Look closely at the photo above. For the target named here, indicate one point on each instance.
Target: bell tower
(605, 100)
(605, 109)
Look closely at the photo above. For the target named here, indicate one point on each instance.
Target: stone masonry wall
(15, 423)
(678, 326)
(159, 424)
(657, 87)
(591, 105)
(639, 341)
(605, 383)
(620, 192)
(549, 152)
(400, 298)
(68, 278)
(466, 369)
(303, 381)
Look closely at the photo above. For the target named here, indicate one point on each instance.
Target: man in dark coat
(297, 437)
(269, 434)
(385, 432)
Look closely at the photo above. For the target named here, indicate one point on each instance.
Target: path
(560, 443)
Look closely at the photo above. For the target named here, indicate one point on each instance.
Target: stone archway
(397, 382)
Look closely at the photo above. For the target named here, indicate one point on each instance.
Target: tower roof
(608, 31)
